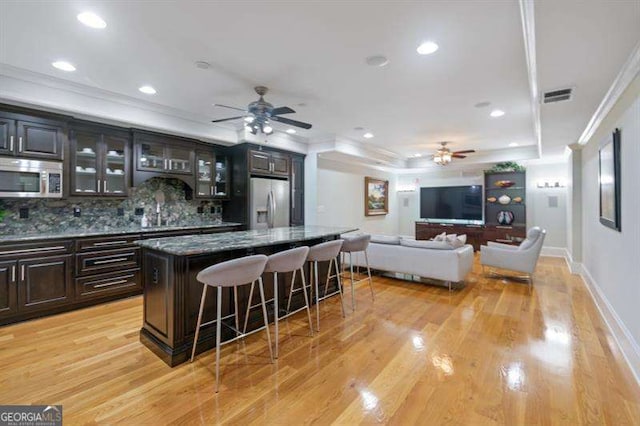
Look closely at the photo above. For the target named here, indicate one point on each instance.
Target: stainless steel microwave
(23, 178)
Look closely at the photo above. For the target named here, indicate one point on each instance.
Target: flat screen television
(451, 203)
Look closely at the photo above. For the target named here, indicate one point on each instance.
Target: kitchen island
(172, 293)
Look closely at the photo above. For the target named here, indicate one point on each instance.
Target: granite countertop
(78, 233)
(212, 243)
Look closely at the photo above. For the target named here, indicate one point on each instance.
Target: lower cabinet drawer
(107, 260)
(107, 284)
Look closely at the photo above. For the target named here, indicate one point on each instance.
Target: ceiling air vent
(559, 95)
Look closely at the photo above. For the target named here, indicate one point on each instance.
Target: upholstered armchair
(522, 258)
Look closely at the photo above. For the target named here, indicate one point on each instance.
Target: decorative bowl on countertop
(504, 183)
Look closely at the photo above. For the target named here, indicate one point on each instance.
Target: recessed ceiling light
(291, 131)
(92, 20)
(147, 90)
(367, 135)
(427, 48)
(497, 113)
(377, 60)
(203, 65)
(417, 155)
(63, 65)
(512, 144)
(482, 104)
(249, 119)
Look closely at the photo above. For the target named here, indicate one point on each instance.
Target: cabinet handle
(20, 144)
(211, 190)
(11, 143)
(32, 250)
(166, 167)
(99, 184)
(446, 224)
(104, 184)
(13, 273)
(110, 284)
(504, 227)
(22, 273)
(119, 259)
(109, 243)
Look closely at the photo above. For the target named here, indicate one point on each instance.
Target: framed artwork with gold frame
(376, 196)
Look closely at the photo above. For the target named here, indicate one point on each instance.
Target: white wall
(540, 211)
(339, 196)
(611, 259)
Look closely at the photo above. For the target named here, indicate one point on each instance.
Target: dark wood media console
(477, 235)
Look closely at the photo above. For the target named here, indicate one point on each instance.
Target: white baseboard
(554, 252)
(627, 344)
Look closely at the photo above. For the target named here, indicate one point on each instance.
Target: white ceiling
(313, 53)
(581, 44)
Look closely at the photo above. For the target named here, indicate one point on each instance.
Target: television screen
(451, 202)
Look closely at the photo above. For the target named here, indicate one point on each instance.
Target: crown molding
(629, 70)
(527, 16)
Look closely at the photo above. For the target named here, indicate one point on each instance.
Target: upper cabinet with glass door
(163, 155)
(99, 162)
(211, 175)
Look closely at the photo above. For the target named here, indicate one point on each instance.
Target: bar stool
(232, 273)
(352, 245)
(287, 261)
(321, 253)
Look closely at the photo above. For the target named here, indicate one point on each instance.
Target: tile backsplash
(47, 215)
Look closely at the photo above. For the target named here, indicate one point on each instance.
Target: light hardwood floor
(490, 353)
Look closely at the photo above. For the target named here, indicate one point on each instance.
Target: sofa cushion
(386, 239)
(440, 237)
(426, 244)
(455, 241)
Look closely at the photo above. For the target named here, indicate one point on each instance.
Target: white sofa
(428, 259)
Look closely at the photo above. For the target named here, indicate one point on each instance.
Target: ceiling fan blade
(282, 110)
(468, 151)
(227, 119)
(458, 156)
(230, 107)
(291, 122)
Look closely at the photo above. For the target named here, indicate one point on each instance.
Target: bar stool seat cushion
(358, 243)
(324, 251)
(288, 260)
(234, 272)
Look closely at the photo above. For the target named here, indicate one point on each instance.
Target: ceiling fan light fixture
(249, 119)
(267, 129)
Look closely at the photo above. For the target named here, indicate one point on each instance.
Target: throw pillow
(440, 237)
(454, 241)
(426, 244)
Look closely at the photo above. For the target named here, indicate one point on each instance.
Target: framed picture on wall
(376, 196)
(609, 161)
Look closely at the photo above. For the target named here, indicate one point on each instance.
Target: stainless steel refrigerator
(269, 203)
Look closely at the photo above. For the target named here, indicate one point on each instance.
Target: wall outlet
(200, 209)
(77, 212)
(120, 211)
(139, 211)
(24, 212)
(213, 209)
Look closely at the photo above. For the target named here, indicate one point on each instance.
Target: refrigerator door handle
(269, 211)
(274, 209)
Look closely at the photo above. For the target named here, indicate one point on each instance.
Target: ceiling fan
(260, 113)
(443, 155)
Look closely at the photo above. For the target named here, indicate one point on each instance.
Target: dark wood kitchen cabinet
(44, 282)
(8, 289)
(100, 160)
(31, 137)
(269, 163)
(297, 190)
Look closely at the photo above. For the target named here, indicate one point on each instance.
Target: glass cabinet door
(151, 157)
(85, 162)
(180, 160)
(114, 180)
(221, 188)
(204, 174)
